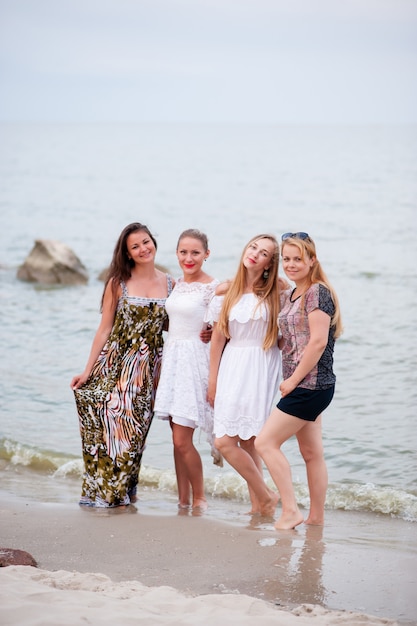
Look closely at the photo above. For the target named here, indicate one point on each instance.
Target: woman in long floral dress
(115, 393)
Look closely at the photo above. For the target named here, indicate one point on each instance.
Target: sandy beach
(135, 566)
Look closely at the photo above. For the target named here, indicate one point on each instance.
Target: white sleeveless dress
(182, 388)
(248, 376)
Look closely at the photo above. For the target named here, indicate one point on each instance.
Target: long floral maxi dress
(115, 406)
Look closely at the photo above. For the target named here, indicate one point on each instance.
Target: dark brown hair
(121, 265)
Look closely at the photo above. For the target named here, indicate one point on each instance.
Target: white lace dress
(182, 388)
(248, 376)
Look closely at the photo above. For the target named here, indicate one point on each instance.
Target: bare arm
(319, 323)
(218, 341)
(100, 338)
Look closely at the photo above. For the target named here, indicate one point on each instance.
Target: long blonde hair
(266, 289)
(307, 249)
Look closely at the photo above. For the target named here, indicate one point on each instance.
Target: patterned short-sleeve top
(293, 323)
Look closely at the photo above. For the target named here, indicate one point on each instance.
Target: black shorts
(306, 404)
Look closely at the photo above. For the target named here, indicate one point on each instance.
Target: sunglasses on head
(296, 235)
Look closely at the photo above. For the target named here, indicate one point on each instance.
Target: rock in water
(9, 556)
(52, 263)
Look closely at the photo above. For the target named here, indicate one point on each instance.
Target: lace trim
(144, 299)
(207, 289)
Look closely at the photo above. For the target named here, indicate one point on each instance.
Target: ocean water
(354, 189)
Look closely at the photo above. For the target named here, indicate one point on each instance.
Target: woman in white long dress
(245, 363)
(182, 391)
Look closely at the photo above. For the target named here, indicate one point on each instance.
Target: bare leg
(278, 428)
(249, 446)
(311, 447)
(263, 500)
(188, 463)
(183, 484)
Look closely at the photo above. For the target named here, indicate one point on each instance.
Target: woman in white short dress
(182, 391)
(245, 363)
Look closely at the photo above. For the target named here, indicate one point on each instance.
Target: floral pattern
(115, 406)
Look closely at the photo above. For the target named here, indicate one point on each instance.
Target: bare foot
(198, 511)
(268, 509)
(252, 512)
(200, 504)
(183, 509)
(288, 521)
(314, 522)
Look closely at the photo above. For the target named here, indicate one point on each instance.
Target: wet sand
(358, 569)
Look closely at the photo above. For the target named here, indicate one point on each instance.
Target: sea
(353, 188)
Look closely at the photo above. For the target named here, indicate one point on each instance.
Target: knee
(311, 453)
(180, 447)
(261, 445)
(222, 444)
(181, 444)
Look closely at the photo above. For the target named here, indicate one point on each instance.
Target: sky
(244, 61)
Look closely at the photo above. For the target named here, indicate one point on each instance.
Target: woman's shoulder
(166, 278)
(318, 295)
(114, 285)
(317, 289)
(112, 292)
(222, 288)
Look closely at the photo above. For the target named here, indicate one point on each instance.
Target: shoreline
(360, 563)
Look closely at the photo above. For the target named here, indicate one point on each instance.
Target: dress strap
(169, 282)
(124, 288)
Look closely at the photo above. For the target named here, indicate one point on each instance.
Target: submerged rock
(10, 556)
(52, 263)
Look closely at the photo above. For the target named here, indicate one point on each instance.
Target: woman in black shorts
(309, 322)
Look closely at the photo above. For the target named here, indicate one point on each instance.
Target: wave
(226, 485)
(14, 455)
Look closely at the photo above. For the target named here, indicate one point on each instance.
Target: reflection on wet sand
(297, 572)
